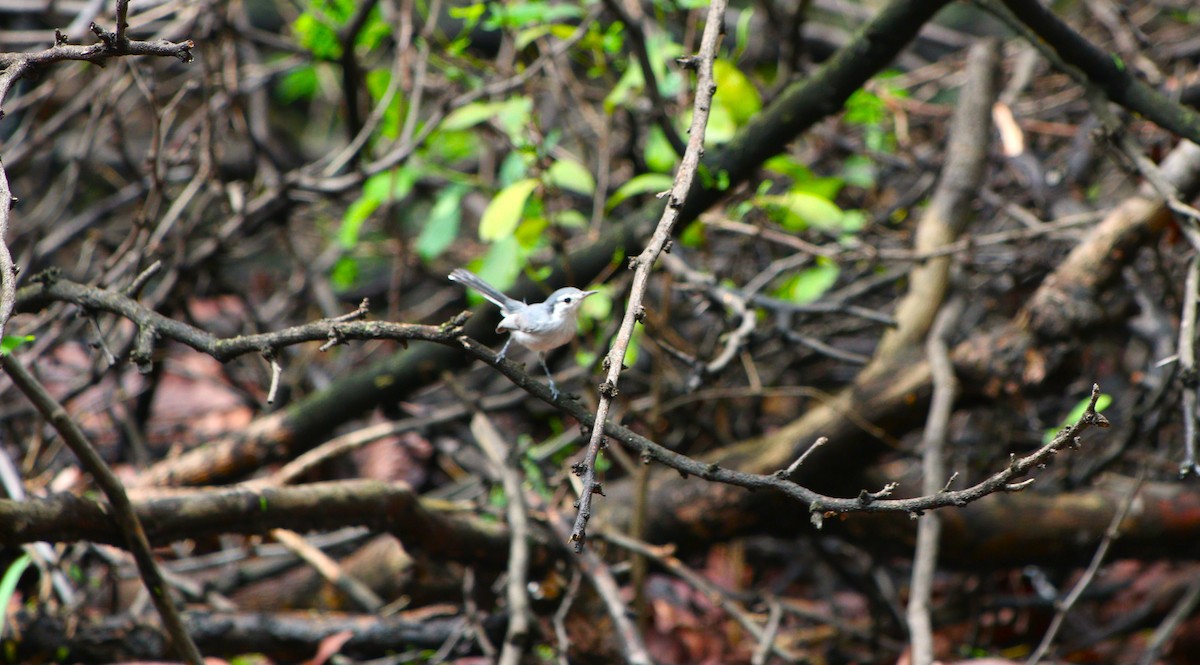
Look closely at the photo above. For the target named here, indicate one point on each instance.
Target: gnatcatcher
(539, 327)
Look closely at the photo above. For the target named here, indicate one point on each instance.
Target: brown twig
(507, 465)
(1111, 534)
(644, 263)
(929, 525)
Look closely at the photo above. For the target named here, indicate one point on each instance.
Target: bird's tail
(488, 291)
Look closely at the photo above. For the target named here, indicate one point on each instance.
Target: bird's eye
(567, 300)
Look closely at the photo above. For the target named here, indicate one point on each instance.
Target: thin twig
(929, 525)
(1182, 610)
(8, 271)
(507, 465)
(1110, 535)
(644, 263)
(598, 573)
(1187, 366)
(330, 570)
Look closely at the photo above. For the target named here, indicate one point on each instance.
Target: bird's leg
(503, 350)
(553, 387)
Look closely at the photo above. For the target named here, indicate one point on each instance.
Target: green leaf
(531, 233)
(597, 307)
(11, 343)
(503, 263)
(529, 35)
(1102, 403)
(515, 116)
(441, 229)
(800, 210)
(300, 83)
(659, 154)
(447, 147)
(514, 167)
(512, 114)
(505, 211)
(470, 14)
(823, 187)
(8, 584)
(344, 273)
(865, 108)
(693, 235)
(570, 174)
(317, 37)
(721, 126)
(811, 283)
(523, 14)
(356, 215)
(390, 186)
(635, 345)
(859, 171)
(645, 183)
(788, 166)
(735, 92)
(662, 50)
(470, 115)
(569, 219)
(742, 33)
(377, 84)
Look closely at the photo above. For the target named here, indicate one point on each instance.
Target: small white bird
(540, 327)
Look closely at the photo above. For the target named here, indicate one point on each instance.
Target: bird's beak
(589, 293)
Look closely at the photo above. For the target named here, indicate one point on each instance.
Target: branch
(153, 326)
(705, 89)
(1106, 71)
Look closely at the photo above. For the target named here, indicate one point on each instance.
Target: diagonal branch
(706, 87)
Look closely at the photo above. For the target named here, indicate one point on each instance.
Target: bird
(541, 326)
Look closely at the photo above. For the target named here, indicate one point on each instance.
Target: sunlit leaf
(662, 51)
(569, 219)
(824, 187)
(356, 215)
(811, 283)
(570, 174)
(531, 233)
(469, 14)
(599, 306)
(344, 273)
(800, 210)
(514, 167)
(1102, 402)
(8, 583)
(390, 186)
(441, 229)
(646, 183)
(503, 263)
(693, 235)
(11, 343)
(735, 92)
(523, 14)
(789, 166)
(317, 37)
(503, 214)
(377, 81)
(465, 117)
(659, 154)
(721, 126)
(299, 83)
